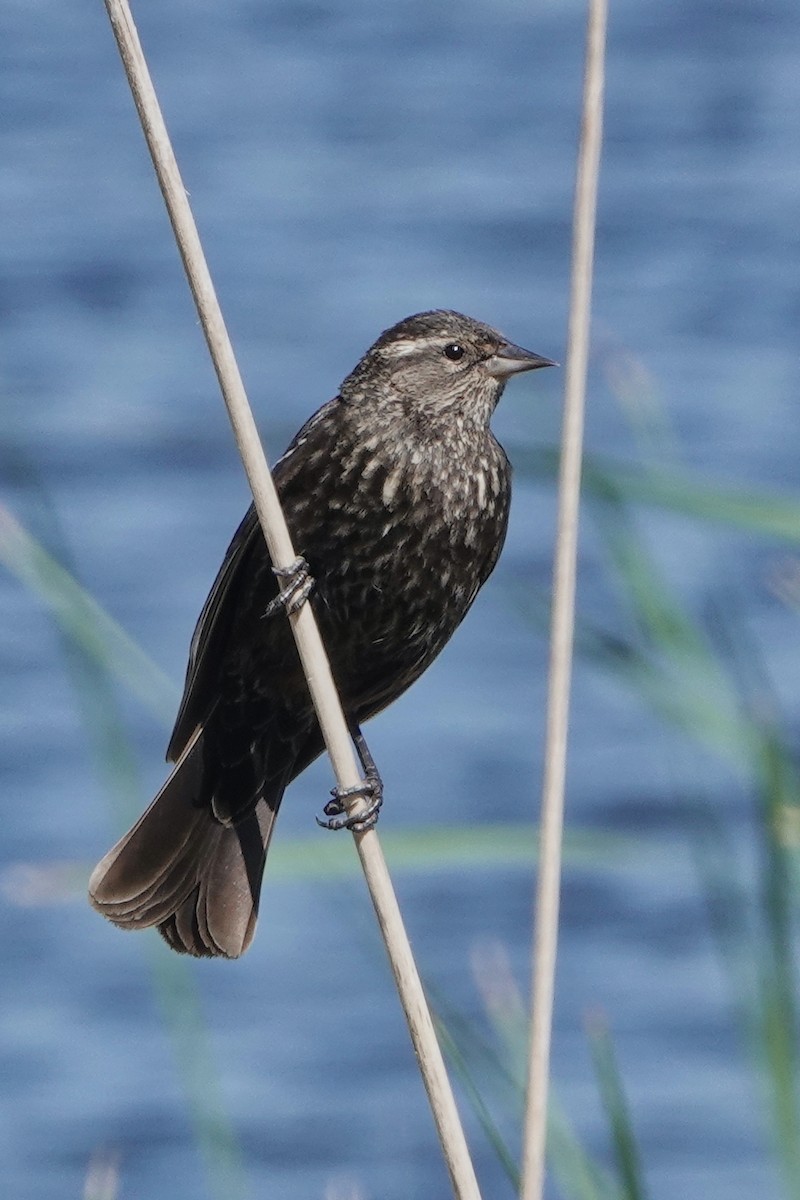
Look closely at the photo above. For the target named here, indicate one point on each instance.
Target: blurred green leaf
(450, 847)
(769, 514)
(79, 616)
(615, 1105)
(579, 1176)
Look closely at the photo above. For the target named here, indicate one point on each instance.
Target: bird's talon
(337, 816)
(297, 589)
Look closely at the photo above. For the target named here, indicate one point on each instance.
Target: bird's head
(439, 363)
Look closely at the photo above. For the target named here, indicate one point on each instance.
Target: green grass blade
(82, 620)
(579, 1176)
(768, 514)
(458, 1062)
(778, 1026)
(622, 1136)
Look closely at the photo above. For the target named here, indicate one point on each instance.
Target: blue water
(349, 164)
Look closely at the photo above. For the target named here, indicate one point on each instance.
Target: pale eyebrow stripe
(402, 349)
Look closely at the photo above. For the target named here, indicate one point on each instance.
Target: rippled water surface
(349, 164)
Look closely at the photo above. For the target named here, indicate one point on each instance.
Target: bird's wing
(213, 626)
(209, 635)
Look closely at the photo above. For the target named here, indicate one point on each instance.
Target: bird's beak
(511, 359)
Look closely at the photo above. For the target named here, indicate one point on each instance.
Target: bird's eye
(454, 351)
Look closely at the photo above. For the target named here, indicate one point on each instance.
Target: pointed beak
(511, 359)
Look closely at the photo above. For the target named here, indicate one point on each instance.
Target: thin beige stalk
(312, 653)
(563, 613)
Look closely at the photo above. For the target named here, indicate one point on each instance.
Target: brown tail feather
(178, 868)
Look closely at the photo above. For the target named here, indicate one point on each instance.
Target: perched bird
(397, 494)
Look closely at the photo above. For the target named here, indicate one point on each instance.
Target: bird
(396, 493)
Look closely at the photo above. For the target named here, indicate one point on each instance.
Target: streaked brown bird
(397, 494)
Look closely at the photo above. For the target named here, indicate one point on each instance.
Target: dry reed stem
(312, 653)
(563, 613)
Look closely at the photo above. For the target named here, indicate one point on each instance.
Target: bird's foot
(297, 586)
(337, 816)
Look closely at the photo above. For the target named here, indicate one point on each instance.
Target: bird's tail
(181, 869)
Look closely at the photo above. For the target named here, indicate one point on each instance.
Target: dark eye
(454, 351)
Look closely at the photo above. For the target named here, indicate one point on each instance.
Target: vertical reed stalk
(563, 612)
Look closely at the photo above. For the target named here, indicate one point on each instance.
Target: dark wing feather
(210, 635)
(213, 626)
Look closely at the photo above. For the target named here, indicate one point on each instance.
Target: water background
(349, 164)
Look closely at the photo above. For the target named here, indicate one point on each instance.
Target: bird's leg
(297, 585)
(371, 790)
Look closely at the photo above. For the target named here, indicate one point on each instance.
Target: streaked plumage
(397, 494)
